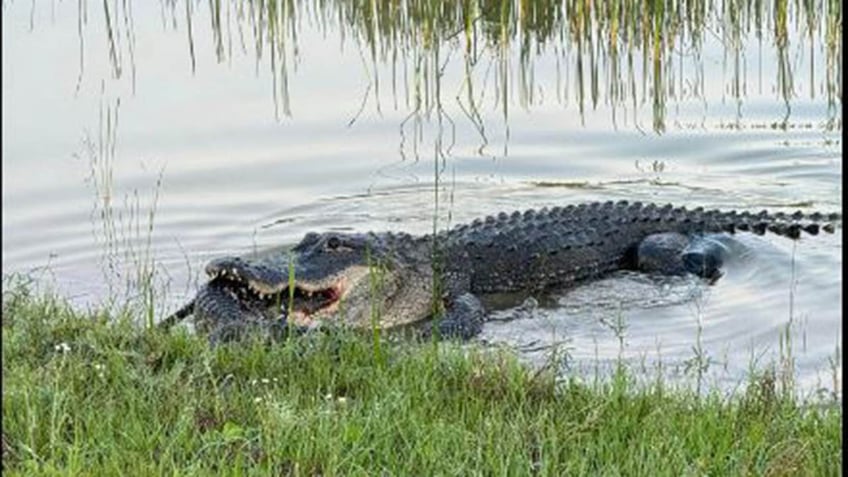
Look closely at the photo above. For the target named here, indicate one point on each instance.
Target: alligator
(393, 280)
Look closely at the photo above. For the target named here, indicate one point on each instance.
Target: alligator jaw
(332, 293)
(311, 300)
(262, 281)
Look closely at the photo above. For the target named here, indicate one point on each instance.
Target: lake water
(246, 128)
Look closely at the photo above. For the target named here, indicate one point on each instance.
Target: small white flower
(328, 397)
(257, 400)
(253, 382)
(342, 400)
(62, 348)
(265, 380)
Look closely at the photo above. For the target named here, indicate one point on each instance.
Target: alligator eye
(333, 243)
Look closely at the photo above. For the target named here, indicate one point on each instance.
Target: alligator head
(348, 278)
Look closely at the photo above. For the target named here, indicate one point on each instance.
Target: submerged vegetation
(620, 53)
(96, 394)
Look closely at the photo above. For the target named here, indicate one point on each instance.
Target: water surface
(143, 138)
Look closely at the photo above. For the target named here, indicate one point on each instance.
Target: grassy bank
(89, 395)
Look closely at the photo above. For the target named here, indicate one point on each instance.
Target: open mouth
(309, 301)
(300, 304)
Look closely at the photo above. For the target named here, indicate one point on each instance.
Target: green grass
(90, 394)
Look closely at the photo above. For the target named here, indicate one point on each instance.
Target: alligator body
(396, 279)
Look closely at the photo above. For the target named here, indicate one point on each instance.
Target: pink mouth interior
(306, 305)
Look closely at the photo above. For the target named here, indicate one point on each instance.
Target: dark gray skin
(392, 280)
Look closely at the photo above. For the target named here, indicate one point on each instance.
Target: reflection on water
(620, 53)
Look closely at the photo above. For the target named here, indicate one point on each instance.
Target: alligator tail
(779, 223)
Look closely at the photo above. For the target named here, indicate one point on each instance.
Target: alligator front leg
(463, 319)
